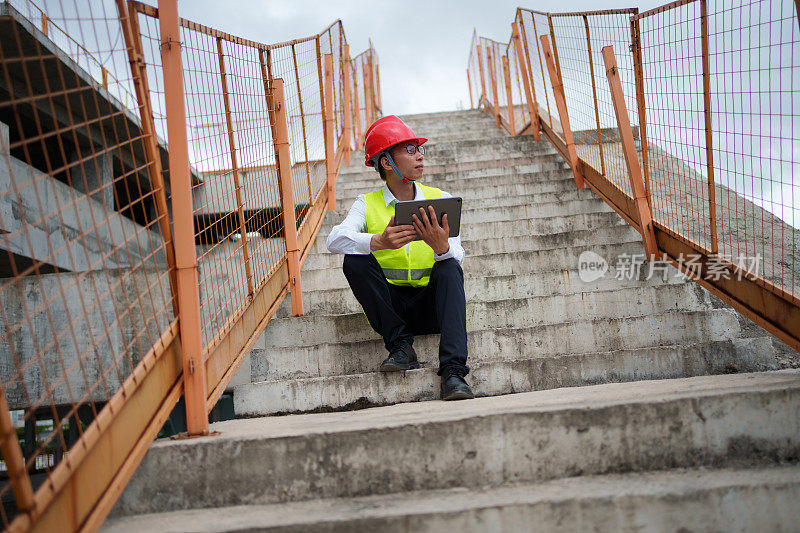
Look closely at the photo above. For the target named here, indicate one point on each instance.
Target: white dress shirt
(350, 236)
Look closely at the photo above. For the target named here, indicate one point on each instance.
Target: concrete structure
(626, 416)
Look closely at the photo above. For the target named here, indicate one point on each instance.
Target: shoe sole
(459, 395)
(398, 368)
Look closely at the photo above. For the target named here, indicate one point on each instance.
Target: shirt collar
(389, 198)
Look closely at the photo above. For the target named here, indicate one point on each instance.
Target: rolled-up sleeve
(349, 237)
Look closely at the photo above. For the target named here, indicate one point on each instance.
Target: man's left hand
(428, 228)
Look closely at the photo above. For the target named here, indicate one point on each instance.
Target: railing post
(357, 110)
(130, 31)
(327, 125)
(194, 378)
(530, 96)
(235, 168)
(379, 106)
(369, 88)
(594, 95)
(469, 86)
(712, 204)
(367, 94)
(541, 68)
(509, 96)
(495, 109)
(482, 98)
(639, 79)
(303, 126)
(15, 462)
(629, 151)
(346, 112)
(561, 103)
(276, 103)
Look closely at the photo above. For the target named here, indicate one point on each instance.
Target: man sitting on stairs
(405, 287)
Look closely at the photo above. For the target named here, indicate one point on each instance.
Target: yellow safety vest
(410, 265)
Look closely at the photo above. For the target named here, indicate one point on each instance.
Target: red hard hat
(385, 133)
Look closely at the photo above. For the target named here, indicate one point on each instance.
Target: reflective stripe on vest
(410, 265)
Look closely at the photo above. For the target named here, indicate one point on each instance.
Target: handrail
(149, 284)
(707, 220)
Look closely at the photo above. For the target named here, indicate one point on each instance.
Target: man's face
(409, 164)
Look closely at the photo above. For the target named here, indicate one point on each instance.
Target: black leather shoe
(400, 358)
(454, 387)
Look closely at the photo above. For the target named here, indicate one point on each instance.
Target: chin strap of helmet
(394, 167)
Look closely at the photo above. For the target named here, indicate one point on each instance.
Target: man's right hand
(393, 237)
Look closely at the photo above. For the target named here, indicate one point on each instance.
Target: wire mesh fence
(710, 91)
(91, 363)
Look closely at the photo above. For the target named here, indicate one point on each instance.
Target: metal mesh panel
(709, 94)
(589, 106)
(85, 282)
(533, 25)
(88, 278)
(739, 199)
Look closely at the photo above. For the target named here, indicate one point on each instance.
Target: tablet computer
(450, 206)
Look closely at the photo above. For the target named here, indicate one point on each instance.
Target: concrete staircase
(642, 402)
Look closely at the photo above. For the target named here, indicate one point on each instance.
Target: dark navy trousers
(398, 313)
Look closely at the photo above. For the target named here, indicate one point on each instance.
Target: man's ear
(385, 165)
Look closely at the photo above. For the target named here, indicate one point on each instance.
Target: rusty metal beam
(629, 152)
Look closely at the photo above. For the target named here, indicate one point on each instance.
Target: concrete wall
(29, 214)
(90, 328)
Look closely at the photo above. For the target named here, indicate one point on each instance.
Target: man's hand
(431, 232)
(393, 237)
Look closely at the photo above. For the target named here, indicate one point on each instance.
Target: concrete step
(513, 230)
(493, 199)
(487, 442)
(515, 211)
(614, 300)
(762, 498)
(516, 185)
(589, 231)
(491, 152)
(476, 285)
(560, 256)
(323, 291)
(463, 176)
(327, 352)
(503, 376)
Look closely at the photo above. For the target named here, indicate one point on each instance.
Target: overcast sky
(423, 46)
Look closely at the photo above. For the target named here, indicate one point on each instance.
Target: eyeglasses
(412, 149)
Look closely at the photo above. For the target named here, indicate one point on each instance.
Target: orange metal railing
(684, 119)
(162, 184)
